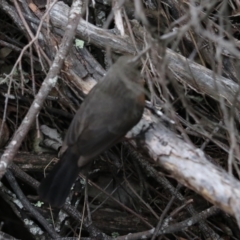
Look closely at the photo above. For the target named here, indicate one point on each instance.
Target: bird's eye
(139, 67)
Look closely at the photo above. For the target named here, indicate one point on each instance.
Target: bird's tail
(55, 188)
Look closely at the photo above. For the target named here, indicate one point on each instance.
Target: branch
(188, 165)
(49, 82)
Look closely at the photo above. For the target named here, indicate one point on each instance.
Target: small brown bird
(108, 112)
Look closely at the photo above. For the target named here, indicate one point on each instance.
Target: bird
(112, 108)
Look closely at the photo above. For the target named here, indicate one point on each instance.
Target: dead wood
(191, 73)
